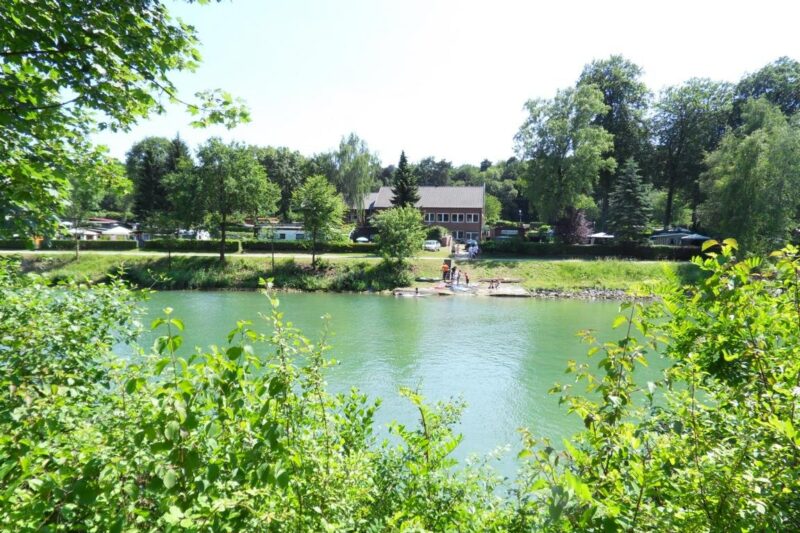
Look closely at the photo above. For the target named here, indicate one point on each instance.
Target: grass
(574, 275)
(347, 273)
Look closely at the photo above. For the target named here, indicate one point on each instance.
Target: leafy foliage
(405, 192)
(400, 233)
(630, 204)
(564, 149)
(753, 181)
(322, 209)
(65, 63)
(572, 228)
(244, 435)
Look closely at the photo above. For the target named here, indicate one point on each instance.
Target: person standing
(454, 275)
(445, 270)
(466, 278)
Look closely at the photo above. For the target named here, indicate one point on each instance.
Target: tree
(405, 192)
(227, 175)
(689, 122)
(65, 65)
(564, 149)
(572, 227)
(147, 163)
(400, 233)
(626, 98)
(492, 209)
(355, 168)
(753, 179)
(629, 204)
(430, 172)
(322, 209)
(778, 82)
(93, 173)
(261, 198)
(286, 168)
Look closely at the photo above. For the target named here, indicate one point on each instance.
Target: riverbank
(590, 279)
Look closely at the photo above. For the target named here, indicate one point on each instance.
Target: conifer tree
(630, 204)
(405, 191)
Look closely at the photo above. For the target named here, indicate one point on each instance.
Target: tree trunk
(77, 238)
(314, 252)
(670, 199)
(222, 240)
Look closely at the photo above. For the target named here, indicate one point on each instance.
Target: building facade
(459, 209)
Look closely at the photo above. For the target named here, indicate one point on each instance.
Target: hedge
(305, 246)
(180, 245)
(69, 244)
(16, 244)
(631, 251)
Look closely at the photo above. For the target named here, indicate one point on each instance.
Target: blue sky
(444, 78)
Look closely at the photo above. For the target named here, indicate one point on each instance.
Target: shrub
(100, 245)
(305, 246)
(17, 244)
(569, 251)
(181, 245)
(437, 233)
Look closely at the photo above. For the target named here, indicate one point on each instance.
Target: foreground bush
(245, 437)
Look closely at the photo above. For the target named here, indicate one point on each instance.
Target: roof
(447, 197)
(117, 230)
(695, 237)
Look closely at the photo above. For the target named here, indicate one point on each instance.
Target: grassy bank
(346, 273)
(204, 272)
(573, 275)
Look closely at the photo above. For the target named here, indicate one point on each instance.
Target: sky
(444, 78)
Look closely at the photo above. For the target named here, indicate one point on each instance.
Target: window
(430, 217)
(443, 217)
(299, 237)
(473, 217)
(281, 236)
(459, 234)
(472, 235)
(458, 217)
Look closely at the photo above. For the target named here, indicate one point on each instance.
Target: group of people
(453, 275)
(473, 251)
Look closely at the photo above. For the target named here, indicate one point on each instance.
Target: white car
(432, 246)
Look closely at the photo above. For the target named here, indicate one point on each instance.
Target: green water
(499, 355)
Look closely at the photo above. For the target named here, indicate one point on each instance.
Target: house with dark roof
(459, 209)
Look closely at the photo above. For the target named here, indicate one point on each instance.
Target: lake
(500, 355)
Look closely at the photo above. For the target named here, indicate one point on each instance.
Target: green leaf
(170, 479)
(173, 430)
(621, 319)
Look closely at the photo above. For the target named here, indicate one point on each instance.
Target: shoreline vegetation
(580, 279)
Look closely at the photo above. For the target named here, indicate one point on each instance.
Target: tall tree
(261, 197)
(433, 173)
(778, 82)
(630, 204)
(286, 168)
(564, 149)
(355, 168)
(626, 98)
(147, 163)
(689, 122)
(227, 173)
(405, 191)
(65, 65)
(753, 180)
(322, 209)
